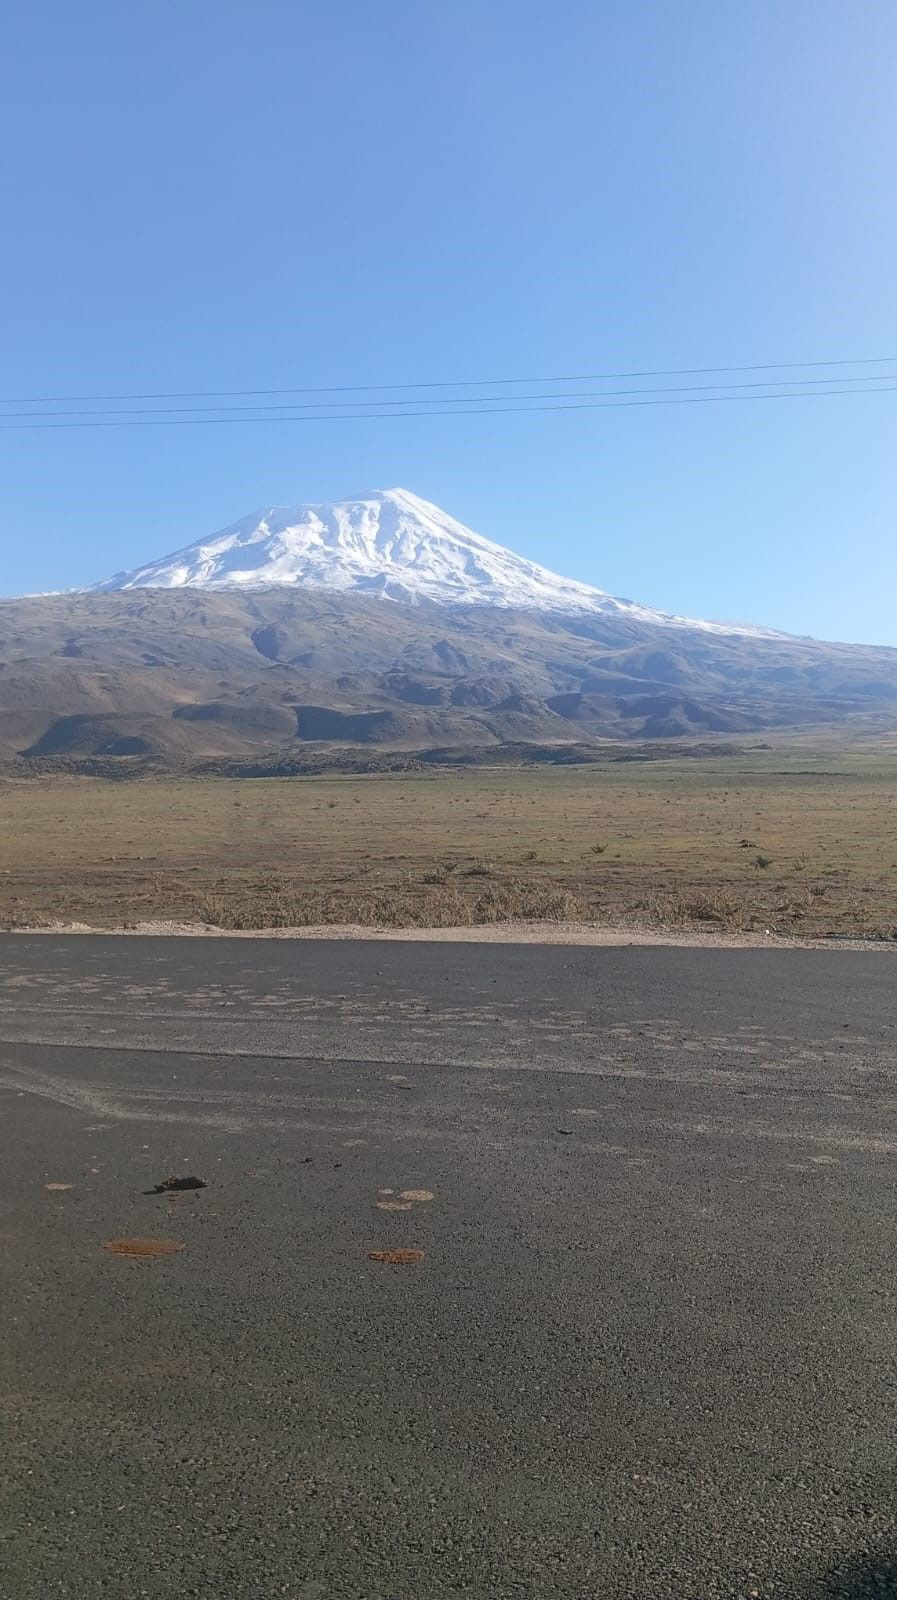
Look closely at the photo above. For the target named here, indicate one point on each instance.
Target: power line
(465, 400)
(456, 383)
(392, 416)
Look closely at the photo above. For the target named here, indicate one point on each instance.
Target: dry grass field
(801, 842)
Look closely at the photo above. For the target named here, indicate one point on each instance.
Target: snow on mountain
(390, 543)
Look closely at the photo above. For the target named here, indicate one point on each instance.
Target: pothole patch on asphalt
(175, 1185)
(404, 1200)
(141, 1248)
(57, 1188)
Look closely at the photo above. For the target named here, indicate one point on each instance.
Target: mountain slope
(388, 543)
(188, 673)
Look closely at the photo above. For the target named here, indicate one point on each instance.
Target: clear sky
(250, 196)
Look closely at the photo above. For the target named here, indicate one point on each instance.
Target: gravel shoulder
(584, 935)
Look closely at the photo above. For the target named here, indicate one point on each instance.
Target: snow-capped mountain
(381, 621)
(388, 542)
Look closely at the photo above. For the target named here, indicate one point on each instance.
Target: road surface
(651, 1347)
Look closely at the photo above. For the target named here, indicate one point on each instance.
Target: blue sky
(284, 195)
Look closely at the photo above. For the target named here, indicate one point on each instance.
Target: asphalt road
(650, 1350)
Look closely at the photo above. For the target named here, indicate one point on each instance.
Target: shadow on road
(870, 1577)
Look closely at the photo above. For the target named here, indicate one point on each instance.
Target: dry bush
(524, 902)
(286, 906)
(437, 874)
(11, 919)
(677, 908)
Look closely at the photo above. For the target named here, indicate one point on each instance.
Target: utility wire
(457, 383)
(488, 410)
(465, 400)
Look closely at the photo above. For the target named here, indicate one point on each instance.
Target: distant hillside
(194, 673)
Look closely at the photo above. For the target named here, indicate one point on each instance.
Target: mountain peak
(386, 542)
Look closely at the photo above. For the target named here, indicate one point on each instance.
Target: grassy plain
(802, 842)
